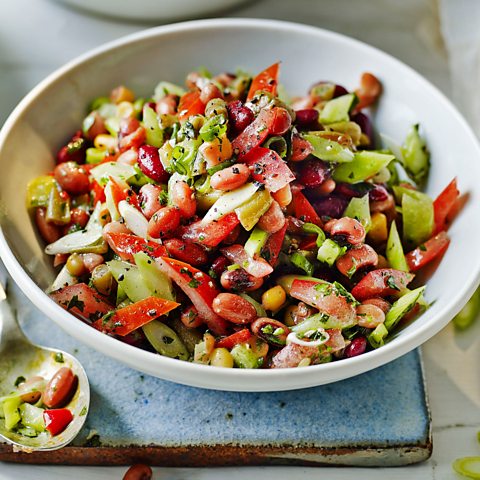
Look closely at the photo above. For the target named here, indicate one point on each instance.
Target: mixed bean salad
(226, 225)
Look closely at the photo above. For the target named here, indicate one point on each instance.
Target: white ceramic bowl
(154, 10)
(54, 109)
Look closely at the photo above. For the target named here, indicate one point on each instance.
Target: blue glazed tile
(382, 410)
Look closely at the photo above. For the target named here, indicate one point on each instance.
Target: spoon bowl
(20, 358)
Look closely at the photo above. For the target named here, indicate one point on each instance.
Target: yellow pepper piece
(378, 232)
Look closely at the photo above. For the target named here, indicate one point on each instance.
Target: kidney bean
(351, 229)
(325, 188)
(97, 127)
(312, 173)
(273, 219)
(149, 199)
(370, 316)
(259, 325)
(239, 117)
(60, 259)
(60, 389)
(331, 206)
(365, 125)
(190, 317)
(230, 178)
(386, 206)
(209, 92)
(378, 193)
(183, 197)
(219, 265)
(186, 252)
(239, 280)
(297, 313)
(234, 308)
(356, 259)
(150, 164)
(48, 231)
(92, 260)
(378, 302)
(79, 217)
(167, 105)
(114, 227)
(72, 178)
(128, 125)
(356, 347)
(164, 222)
(66, 155)
(138, 472)
(306, 118)
(369, 91)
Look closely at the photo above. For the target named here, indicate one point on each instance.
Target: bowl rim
(208, 376)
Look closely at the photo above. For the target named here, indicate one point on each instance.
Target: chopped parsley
(58, 357)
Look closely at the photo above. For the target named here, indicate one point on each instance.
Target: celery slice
(394, 250)
(359, 209)
(154, 134)
(11, 412)
(165, 341)
(256, 242)
(159, 283)
(365, 165)
(328, 150)
(301, 261)
(38, 191)
(416, 158)
(330, 251)
(338, 109)
(32, 417)
(130, 279)
(244, 357)
(401, 307)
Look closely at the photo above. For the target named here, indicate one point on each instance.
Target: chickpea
(102, 279)
(221, 357)
(274, 298)
(75, 265)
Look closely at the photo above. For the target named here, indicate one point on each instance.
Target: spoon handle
(10, 331)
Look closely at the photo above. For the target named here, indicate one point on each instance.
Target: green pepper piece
(469, 313)
(165, 340)
(328, 150)
(359, 209)
(377, 337)
(416, 156)
(418, 218)
(401, 307)
(58, 209)
(338, 109)
(300, 260)
(394, 250)
(38, 191)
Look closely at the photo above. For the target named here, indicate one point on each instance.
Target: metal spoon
(20, 358)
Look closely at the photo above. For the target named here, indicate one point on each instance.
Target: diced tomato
(273, 246)
(265, 81)
(82, 301)
(199, 287)
(304, 210)
(281, 122)
(255, 133)
(190, 104)
(257, 267)
(326, 298)
(444, 204)
(213, 233)
(57, 420)
(301, 148)
(229, 342)
(126, 245)
(382, 283)
(98, 192)
(120, 193)
(127, 319)
(431, 249)
(268, 168)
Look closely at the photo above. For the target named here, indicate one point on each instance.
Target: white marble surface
(37, 36)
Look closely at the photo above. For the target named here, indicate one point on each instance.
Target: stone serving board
(378, 418)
